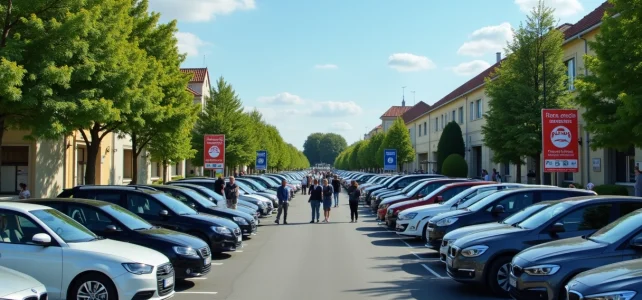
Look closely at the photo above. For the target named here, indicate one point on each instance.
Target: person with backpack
(316, 196)
(336, 186)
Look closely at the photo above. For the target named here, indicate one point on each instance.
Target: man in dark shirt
(336, 186)
(219, 185)
(231, 193)
(283, 195)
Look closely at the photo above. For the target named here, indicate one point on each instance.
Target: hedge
(455, 166)
(611, 189)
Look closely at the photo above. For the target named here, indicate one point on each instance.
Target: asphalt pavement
(337, 260)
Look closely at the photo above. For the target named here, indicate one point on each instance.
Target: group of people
(229, 190)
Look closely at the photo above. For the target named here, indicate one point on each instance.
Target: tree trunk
(164, 171)
(518, 173)
(134, 160)
(93, 149)
(538, 172)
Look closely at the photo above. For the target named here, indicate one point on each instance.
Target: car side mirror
(111, 228)
(440, 199)
(192, 205)
(41, 239)
(420, 196)
(637, 243)
(499, 209)
(558, 228)
(163, 213)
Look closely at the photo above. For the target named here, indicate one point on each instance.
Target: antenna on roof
(403, 96)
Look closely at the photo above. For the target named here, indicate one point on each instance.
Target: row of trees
(368, 154)
(323, 147)
(98, 67)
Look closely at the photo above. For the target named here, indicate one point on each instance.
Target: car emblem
(34, 291)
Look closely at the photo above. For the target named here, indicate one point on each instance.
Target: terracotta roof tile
(590, 20)
(396, 111)
(199, 74)
(415, 112)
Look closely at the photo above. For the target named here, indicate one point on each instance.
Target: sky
(338, 65)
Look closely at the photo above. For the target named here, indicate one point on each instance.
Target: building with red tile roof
(199, 85)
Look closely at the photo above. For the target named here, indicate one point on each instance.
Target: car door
(579, 221)
(95, 220)
(45, 264)
(149, 208)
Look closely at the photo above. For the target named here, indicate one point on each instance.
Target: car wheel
(423, 233)
(498, 276)
(93, 286)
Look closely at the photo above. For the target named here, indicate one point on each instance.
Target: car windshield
(524, 213)
(435, 191)
(65, 227)
(479, 205)
(544, 216)
(244, 187)
(251, 185)
(412, 188)
(127, 218)
(208, 193)
(619, 229)
(199, 198)
(259, 182)
(270, 179)
(175, 205)
(389, 180)
(468, 199)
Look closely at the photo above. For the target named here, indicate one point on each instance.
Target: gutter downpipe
(64, 162)
(588, 135)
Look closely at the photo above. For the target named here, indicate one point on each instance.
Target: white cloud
(407, 62)
(341, 126)
(486, 40)
(189, 43)
(563, 8)
(282, 98)
(199, 10)
(326, 67)
(471, 68)
(335, 108)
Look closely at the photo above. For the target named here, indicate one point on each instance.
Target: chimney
(499, 56)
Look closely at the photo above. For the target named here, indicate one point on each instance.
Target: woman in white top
(24, 192)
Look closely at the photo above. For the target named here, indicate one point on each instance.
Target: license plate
(207, 261)
(512, 281)
(238, 238)
(167, 282)
(449, 262)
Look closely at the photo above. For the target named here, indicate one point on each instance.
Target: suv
(162, 210)
(69, 260)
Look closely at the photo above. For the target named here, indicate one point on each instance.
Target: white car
(412, 222)
(73, 263)
(18, 286)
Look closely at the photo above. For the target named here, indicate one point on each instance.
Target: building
(417, 122)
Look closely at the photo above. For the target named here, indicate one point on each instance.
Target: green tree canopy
(455, 166)
(311, 147)
(398, 137)
(451, 142)
(375, 141)
(330, 146)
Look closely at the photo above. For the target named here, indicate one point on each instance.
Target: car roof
(21, 206)
(460, 183)
(135, 188)
(600, 198)
(90, 202)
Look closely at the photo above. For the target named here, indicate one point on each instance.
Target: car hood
(173, 237)
(421, 209)
(503, 232)
(258, 197)
(14, 281)
(460, 232)
(450, 214)
(213, 220)
(402, 203)
(560, 250)
(611, 274)
(393, 198)
(372, 187)
(131, 254)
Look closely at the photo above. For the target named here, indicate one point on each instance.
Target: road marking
(431, 271)
(204, 293)
(238, 251)
(217, 264)
(407, 244)
(199, 278)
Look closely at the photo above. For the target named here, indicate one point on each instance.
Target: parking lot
(338, 260)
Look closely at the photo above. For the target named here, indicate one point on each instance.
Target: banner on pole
(214, 151)
(390, 159)
(560, 146)
(261, 160)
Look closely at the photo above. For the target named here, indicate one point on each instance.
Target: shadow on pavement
(389, 243)
(305, 223)
(382, 234)
(220, 256)
(371, 229)
(416, 288)
(182, 285)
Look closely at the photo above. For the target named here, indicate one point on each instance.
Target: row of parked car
(524, 241)
(126, 242)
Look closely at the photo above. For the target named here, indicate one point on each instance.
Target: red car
(441, 194)
(420, 191)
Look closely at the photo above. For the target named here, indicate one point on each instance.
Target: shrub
(455, 166)
(450, 142)
(177, 177)
(159, 181)
(611, 189)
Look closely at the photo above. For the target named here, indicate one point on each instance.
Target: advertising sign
(390, 159)
(214, 151)
(261, 160)
(560, 131)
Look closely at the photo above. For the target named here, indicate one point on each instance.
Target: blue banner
(390, 159)
(261, 160)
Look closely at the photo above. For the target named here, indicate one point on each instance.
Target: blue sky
(338, 65)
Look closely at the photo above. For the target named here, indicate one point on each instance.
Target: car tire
(90, 283)
(498, 274)
(423, 233)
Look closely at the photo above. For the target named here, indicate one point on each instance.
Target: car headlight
(474, 251)
(447, 222)
(409, 216)
(621, 295)
(185, 251)
(138, 269)
(542, 270)
(222, 230)
(261, 204)
(240, 220)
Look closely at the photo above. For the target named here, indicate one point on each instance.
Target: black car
(621, 280)
(160, 209)
(203, 205)
(189, 255)
(494, 208)
(266, 206)
(243, 205)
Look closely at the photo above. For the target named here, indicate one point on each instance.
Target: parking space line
(217, 264)
(197, 278)
(203, 293)
(413, 247)
(431, 271)
(238, 251)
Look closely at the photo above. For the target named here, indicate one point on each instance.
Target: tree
(398, 138)
(611, 93)
(224, 115)
(330, 145)
(364, 160)
(311, 147)
(455, 166)
(513, 123)
(354, 156)
(451, 141)
(374, 159)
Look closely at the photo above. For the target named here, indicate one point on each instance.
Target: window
(425, 125)
(478, 109)
(515, 202)
(65, 227)
(625, 165)
(90, 217)
(442, 121)
(570, 72)
(177, 169)
(111, 197)
(156, 169)
(17, 228)
(587, 218)
(471, 111)
(626, 208)
(436, 124)
(139, 204)
(568, 176)
(454, 116)
(419, 129)
(554, 195)
(127, 163)
(461, 115)
(506, 168)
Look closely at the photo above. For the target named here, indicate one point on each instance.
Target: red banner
(214, 151)
(560, 132)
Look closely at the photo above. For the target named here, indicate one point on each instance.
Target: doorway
(81, 164)
(14, 168)
(477, 161)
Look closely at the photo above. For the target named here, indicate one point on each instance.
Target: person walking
(353, 199)
(232, 193)
(219, 185)
(304, 185)
(638, 182)
(24, 192)
(336, 186)
(328, 191)
(316, 196)
(283, 195)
